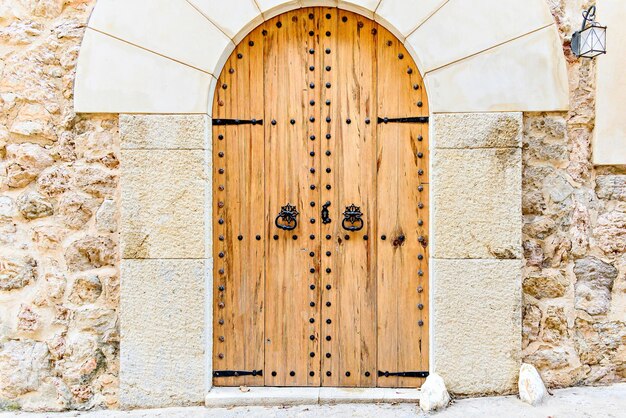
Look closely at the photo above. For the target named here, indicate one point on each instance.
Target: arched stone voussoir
(113, 76)
(161, 56)
(236, 18)
(463, 28)
(402, 17)
(527, 74)
(363, 7)
(271, 8)
(172, 28)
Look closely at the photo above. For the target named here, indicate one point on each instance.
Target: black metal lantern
(590, 41)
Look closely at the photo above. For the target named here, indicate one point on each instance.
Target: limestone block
(478, 130)
(23, 365)
(526, 74)
(478, 198)
(32, 205)
(163, 208)
(611, 187)
(106, 216)
(548, 358)
(463, 28)
(162, 333)
(594, 283)
(54, 180)
(548, 283)
(116, 77)
(477, 336)
(15, 273)
(86, 289)
(178, 30)
(164, 131)
(611, 232)
(91, 252)
(75, 209)
(25, 162)
(531, 323)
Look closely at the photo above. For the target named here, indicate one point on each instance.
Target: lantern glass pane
(592, 41)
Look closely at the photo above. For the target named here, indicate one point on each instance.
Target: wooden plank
(353, 295)
(402, 338)
(238, 212)
(328, 135)
(290, 302)
(387, 213)
(313, 17)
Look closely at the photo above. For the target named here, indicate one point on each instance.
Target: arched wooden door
(320, 144)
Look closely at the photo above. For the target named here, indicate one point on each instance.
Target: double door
(320, 220)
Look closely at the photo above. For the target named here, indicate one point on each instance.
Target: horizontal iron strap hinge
(417, 119)
(403, 374)
(223, 122)
(237, 373)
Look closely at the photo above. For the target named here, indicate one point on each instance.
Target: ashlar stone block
(164, 131)
(162, 333)
(164, 206)
(525, 74)
(478, 130)
(477, 335)
(477, 194)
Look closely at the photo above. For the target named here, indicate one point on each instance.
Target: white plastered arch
(163, 56)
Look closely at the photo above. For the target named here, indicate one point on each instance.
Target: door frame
(159, 91)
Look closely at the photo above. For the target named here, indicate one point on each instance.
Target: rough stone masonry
(59, 261)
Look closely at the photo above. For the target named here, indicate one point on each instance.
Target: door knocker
(287, 216)
(352, 215)
(325, 217)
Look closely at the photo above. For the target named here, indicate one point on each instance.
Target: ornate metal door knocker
(287, 218)
(352, 215)
(325, 217)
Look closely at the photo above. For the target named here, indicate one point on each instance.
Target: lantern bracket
(588, 16)
(590, 40)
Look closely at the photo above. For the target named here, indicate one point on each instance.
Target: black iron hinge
(237, 373)
(417, 119)
(403, 374)
(223, 122)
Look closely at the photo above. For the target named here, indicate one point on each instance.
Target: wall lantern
(590, 41)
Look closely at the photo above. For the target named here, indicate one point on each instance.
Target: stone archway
(155, 62)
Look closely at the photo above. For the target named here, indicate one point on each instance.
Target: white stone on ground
(531, 387)
(434, 395)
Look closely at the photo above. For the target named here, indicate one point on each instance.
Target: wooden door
(320, 144)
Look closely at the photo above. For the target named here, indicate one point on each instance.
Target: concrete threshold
(224, 397)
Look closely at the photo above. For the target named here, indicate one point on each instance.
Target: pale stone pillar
(166, 259)
(477, 251)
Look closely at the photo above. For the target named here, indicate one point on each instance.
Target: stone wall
(59, 279)
(59, 198)
(574, 238)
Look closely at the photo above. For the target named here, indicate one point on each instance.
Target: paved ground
(599, 402)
